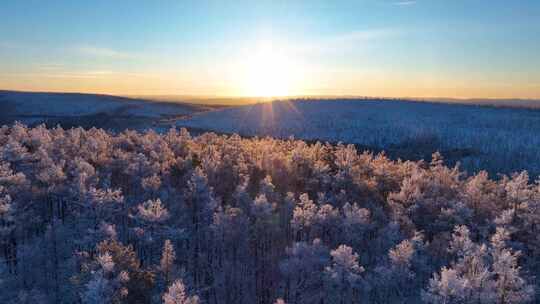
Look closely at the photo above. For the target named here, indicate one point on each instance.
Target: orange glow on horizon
(266, 74)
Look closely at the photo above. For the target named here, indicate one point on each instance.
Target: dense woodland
(88, 216)
(498, 140)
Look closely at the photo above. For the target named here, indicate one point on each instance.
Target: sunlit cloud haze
(245, 48)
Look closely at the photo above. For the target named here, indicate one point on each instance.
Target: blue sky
(384, 48)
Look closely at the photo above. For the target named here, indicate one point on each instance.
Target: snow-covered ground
(68, 104)
(496, 139)
(90, 110)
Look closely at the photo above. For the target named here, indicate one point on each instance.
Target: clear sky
(453, 48)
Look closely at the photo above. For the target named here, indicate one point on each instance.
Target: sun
(268, 72)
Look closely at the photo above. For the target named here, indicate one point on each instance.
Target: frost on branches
(88, 216)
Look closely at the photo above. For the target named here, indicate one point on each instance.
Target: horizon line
(228, 96)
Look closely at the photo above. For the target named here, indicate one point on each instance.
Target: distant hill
(211, 101)
(495, 102)
(481, 138)
(88, 110)
(241, 101)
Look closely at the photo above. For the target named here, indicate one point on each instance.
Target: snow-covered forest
(89, 216)
(499, 140)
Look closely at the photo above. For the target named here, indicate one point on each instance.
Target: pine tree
(168, 257)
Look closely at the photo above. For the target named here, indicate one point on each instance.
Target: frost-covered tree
(152, 211)
(166, 262)
(344, 280)
(481, 274)
(303, 270)
(401, 276)
(177, 294)
(152, 215)
(7, 227)
(510, 286)
(446, 288)
(90, 216)
(232, 246)
(356, 226)
(304, 218)
(201, 206)
(115, 273)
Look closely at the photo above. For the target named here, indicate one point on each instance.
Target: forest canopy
(89, 216)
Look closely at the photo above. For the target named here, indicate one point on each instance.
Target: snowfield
(73, 104)
(52, 104)
(491, 138)
(89, 110)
